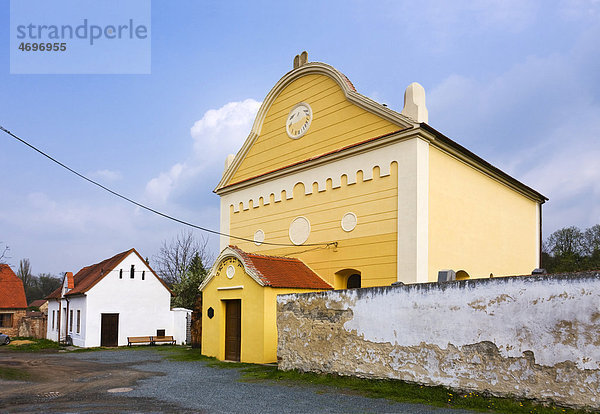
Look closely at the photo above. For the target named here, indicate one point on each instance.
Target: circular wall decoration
(259, 237)
(298, 120)
(349, 221)
(230, 271)
(299, 230)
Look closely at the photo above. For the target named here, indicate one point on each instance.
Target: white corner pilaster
(413, 207)
(224, 222)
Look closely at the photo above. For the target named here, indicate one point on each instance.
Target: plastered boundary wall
(536, 337)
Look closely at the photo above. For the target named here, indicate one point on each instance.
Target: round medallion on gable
(259, 237)
(298, 120)
(299, 230)
(230, 271)
(349, 221)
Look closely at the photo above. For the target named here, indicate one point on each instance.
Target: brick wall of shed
(17, 315)
(533, 337)
(33, 325)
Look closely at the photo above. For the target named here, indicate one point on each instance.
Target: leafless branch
(174, 258)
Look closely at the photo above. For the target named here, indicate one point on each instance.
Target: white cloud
(106, 175)
(218, 133)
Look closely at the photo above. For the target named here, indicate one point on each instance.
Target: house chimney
(301, 59)
(414, 103)
(228, 161)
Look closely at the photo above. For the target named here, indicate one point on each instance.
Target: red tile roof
(282, 272)
(12, 294)
(38, 303)
(88, 276)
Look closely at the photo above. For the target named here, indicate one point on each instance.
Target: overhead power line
(186, 223)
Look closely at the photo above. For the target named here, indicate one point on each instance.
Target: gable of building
(89, 276)
(341, 117)
(266, 271)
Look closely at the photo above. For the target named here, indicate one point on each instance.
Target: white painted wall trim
(349, 166)
(230, 287)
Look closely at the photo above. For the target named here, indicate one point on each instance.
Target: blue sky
(516, 82)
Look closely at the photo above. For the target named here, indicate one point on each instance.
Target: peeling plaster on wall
(534, 337)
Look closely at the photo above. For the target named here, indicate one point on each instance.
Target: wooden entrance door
(233, 329)
(109, 329)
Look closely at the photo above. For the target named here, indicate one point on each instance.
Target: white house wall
(52, 332)
(77, 303)
(143, 305)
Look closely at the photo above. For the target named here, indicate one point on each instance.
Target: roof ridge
(265, 255)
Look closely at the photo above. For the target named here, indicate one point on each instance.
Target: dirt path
(58, 383)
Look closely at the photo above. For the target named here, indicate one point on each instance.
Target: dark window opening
(6, 320)
(121, 274)
(132, 272)
(71, 320)
(160, 332)
(143, 274)
(353, 281)
(78, 321)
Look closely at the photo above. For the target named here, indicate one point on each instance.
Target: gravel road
(197, 387)
(151, 383)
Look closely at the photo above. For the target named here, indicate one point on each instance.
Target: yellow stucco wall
(477, 224)
(370, 248)
(258, 313)
(336, 123)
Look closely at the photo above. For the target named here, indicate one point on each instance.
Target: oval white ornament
(259, 237)
(299, 230)
(298, 120)
(349, 221)
(230, 271)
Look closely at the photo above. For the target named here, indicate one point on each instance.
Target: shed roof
(281, 272)
(12, 293)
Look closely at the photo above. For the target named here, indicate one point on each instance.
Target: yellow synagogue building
(332, 190)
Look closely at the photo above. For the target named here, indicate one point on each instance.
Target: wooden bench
(163, 339)
(132, 340)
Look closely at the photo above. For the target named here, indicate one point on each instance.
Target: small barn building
(13, 304)
(104, 303)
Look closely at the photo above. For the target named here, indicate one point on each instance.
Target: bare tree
(4, 253)
(176, 258)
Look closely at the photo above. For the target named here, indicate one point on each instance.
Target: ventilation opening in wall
(462, 275)
(348, 279)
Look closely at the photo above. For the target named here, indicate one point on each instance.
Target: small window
(53, 316)
(160, 332)
(121, 274)
(353, 281)
(132, 272)
(6, 320)
(71, 320)
(143, 274)
(78, 321)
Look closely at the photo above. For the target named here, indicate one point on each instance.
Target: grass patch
(401, 391)
(13, 374)
(394, 390)
(36, 345)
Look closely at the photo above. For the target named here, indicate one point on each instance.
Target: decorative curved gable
(341, 117)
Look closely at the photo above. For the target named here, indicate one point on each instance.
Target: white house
(106, 302)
